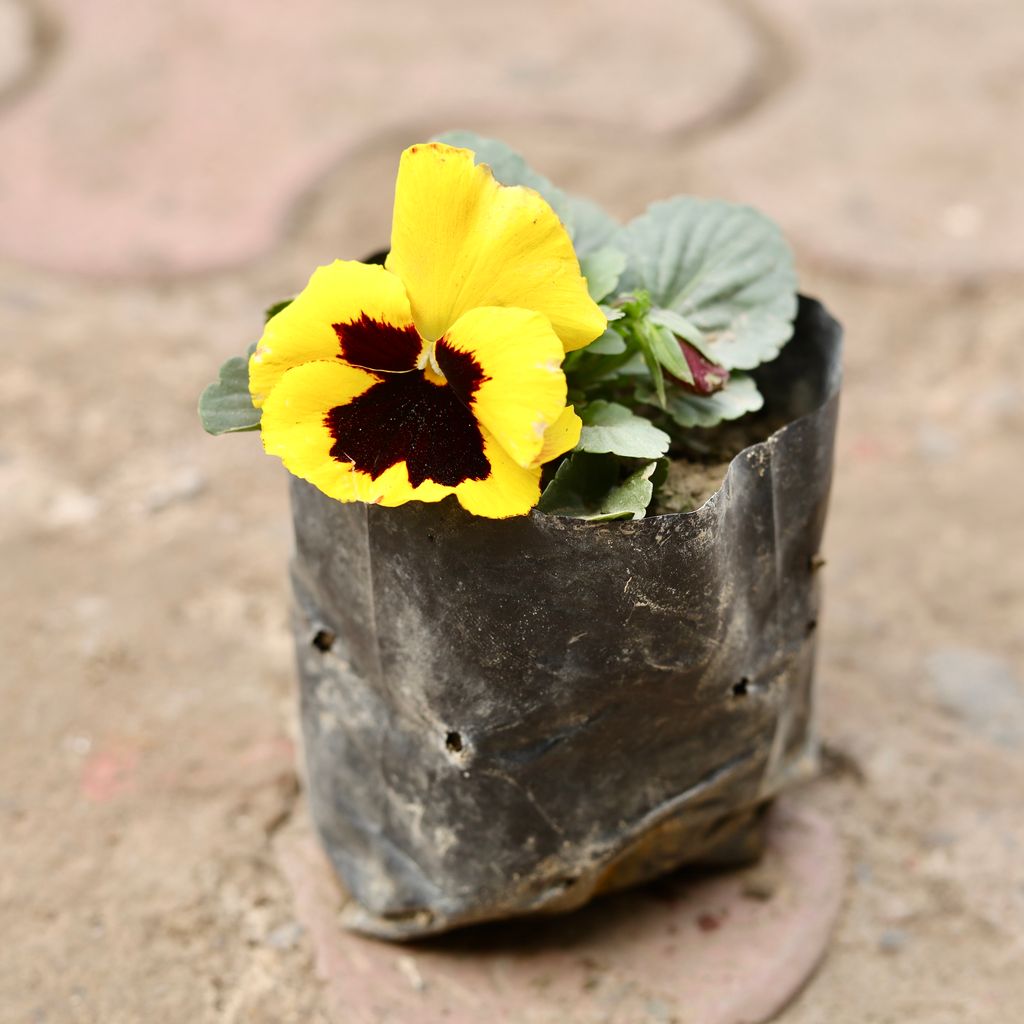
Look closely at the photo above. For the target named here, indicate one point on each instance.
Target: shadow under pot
(503, 718)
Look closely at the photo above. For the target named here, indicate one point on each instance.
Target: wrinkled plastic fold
(508, 717)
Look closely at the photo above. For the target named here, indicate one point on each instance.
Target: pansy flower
(441, 372)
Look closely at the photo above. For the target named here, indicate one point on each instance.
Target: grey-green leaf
(612, 428)
(723, 267)
(602, 269)
(739, 396)
(225, 406)
(587, 487)
(589, 226)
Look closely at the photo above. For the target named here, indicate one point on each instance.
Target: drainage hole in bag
(323, 640)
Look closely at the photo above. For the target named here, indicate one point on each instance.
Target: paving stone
(892, 940)
(171, 137)
(981, 689)
(896, 147)
(690, 948)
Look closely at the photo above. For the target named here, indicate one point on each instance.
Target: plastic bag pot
(509, 717)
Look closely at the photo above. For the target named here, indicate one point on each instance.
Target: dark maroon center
(376, 345)
(406, 418)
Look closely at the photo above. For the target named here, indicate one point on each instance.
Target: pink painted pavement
(723, 948)
(170, 138)
(142, 140)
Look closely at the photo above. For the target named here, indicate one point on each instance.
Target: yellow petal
(518, 359)
(295, 428)
(562, 436)
(460, 240)
(294, 423)
(509, 489)
(392, 488)
(343, 293)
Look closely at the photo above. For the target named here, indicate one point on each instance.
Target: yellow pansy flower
(440, 372)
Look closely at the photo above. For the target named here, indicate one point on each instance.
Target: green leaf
(612, 428)
(635, 367)
(652, 363)
(276, 308)
(587, 374)
(225, 406)
(682, 327)
(602, 269)
(587, 487)
(611, 343)
(726, 269)
(678, 325)
(737, 398)
(666, 350)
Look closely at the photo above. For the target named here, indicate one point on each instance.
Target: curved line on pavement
(45, 39)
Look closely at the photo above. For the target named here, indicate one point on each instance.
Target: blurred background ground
(170, 169)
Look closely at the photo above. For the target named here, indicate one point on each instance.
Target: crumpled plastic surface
(508, 717)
